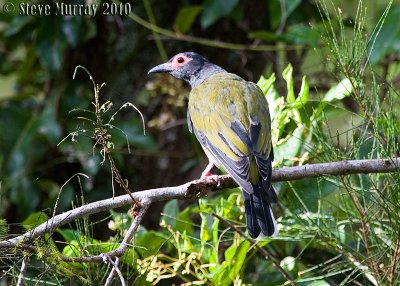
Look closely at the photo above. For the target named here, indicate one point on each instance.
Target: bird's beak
(163, 68)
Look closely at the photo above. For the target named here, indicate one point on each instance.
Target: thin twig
(393, 267)
(263, 251)
(110, 277)
(101, 135)
(115, 269)
(24, 267)
(364, 229)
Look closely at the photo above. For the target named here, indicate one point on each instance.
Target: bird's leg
(206, 174)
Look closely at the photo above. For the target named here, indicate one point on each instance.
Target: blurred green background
(40, 103)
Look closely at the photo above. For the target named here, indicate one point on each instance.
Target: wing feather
(237, 135)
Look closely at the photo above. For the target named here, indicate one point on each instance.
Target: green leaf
(128, 257)
(216, 9)
(303, 95)
(8, 84)
(183, 222)
(24, 193)
(239, 258)
(290, 147)
(288, 263)
(180, 221)
(170, 211)
(301, 34)
(49, 126)
(17, 117)
(215, 233)
(339, 91)
(205, 234)
(51, 43)
(230, 253)
(288, 77)
(306, 195)
(121, 221)
(205, 206)
(72, 249)
(220, 276)
(304, 91)
(17, 24)
(271, 94)
(388, 40)
(266, 84)
(281, 9)
(34, 220)
(186, 16)
(132, 130)
(150, 243)
(69, 234)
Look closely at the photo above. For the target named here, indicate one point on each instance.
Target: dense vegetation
(331, 74)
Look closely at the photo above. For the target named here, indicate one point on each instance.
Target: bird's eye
(180, 60)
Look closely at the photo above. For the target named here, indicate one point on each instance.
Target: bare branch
(115, 269)
(336, 169)
(198, 188)
(24, 267)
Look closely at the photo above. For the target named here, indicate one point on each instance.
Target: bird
(230, 118)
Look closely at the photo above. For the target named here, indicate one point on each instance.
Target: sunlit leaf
(288, 263)
(339, 91)
(205, 234)
(288, 77)
(291, 146)
(237, 261)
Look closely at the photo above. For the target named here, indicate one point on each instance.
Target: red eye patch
(180, 60)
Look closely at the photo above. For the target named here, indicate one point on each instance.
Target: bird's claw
(210, 178)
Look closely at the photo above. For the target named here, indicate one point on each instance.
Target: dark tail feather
(258, 213)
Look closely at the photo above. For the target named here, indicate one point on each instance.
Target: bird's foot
(209, 177)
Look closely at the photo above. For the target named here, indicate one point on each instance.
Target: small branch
(392, 269)
(24, 267)
(201, 187)
(263, 251)
(115, 269)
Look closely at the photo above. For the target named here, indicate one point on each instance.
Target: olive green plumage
(231, 120)
(222, 100)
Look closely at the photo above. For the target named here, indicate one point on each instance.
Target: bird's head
(188, 66)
